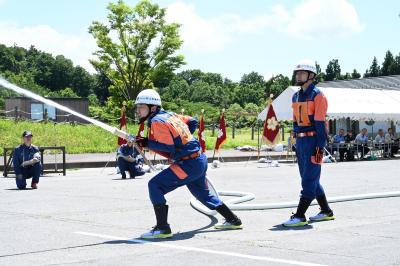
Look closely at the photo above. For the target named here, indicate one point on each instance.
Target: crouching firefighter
(170, 135)
(129, 159)
(309, 110)
(26, 161)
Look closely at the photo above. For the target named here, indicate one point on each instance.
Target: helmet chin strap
(141, 120)
(301, 83)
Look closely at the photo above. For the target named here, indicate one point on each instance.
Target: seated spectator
(349, 136)
(393, 140)
(130, 160)
(380, 137)
(26, 162)
(362, 142)
(337, 140)
(380, 142)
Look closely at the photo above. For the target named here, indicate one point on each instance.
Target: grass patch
(92, 139)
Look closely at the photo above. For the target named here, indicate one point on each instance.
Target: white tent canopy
(357, 104)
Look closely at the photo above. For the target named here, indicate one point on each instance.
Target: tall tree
(374, 70)
(388, 65)
(320, 75)
(145, 45)
(397, 72)
(355, 74)
(277, 85)
(333, 70)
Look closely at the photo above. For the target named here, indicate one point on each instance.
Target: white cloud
(77, 47)
(321, 18)
(309, 19)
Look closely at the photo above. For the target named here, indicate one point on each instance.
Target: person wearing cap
(26, 162)
(309, 111)
(130, 160)
(171, 136)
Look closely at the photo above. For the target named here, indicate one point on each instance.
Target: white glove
(37, 156)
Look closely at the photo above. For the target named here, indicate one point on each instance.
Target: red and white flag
(221, 138)
(271, 127)
(122, 126)
(141, 131)
(201, 134)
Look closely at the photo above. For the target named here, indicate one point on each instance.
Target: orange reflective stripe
(310, 108)
(179, 128)
(300, 111)
(184, 118)
(178, 171)
(160, 133)
(321, 107)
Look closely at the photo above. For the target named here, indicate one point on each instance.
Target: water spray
(109, 128)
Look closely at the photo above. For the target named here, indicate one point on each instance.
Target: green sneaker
(323, 216)
(157, 233)
(236, 224)
(295, 221)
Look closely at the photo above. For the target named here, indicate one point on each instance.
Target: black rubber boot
(162, 228)
(323, 203)
(229, 216)
(302, 207)
(161, 212)
(123, 175)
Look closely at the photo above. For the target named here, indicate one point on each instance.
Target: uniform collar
(308, 90)
(153, 115)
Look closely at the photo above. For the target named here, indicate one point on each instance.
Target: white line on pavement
(202, 250)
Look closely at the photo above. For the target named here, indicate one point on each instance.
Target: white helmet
(306, 65)
(148, 96)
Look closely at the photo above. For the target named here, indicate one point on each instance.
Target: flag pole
(203, 128)
(269, 101)
(216, 141)
(223, 110)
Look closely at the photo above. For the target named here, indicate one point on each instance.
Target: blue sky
(227, 37)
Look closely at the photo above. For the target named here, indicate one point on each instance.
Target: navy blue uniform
(133, 168)
(21, 154)
(171, 136)
(309, 111)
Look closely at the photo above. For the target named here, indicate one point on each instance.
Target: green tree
(276, 85)
(355, 74)
(191, 75)
(389, 65)
(249, 93)
(320, 75)
(253, 78)
(177, 89)
(65, 93)
(146, 45)
(374, 69)
(397, 64)
(82, 82)
(61, 73)
(333, 70)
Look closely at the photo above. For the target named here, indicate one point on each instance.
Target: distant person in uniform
(130, 160)
(26, 162)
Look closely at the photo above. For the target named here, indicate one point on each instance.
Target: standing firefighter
(309, 110)
(170, 135)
